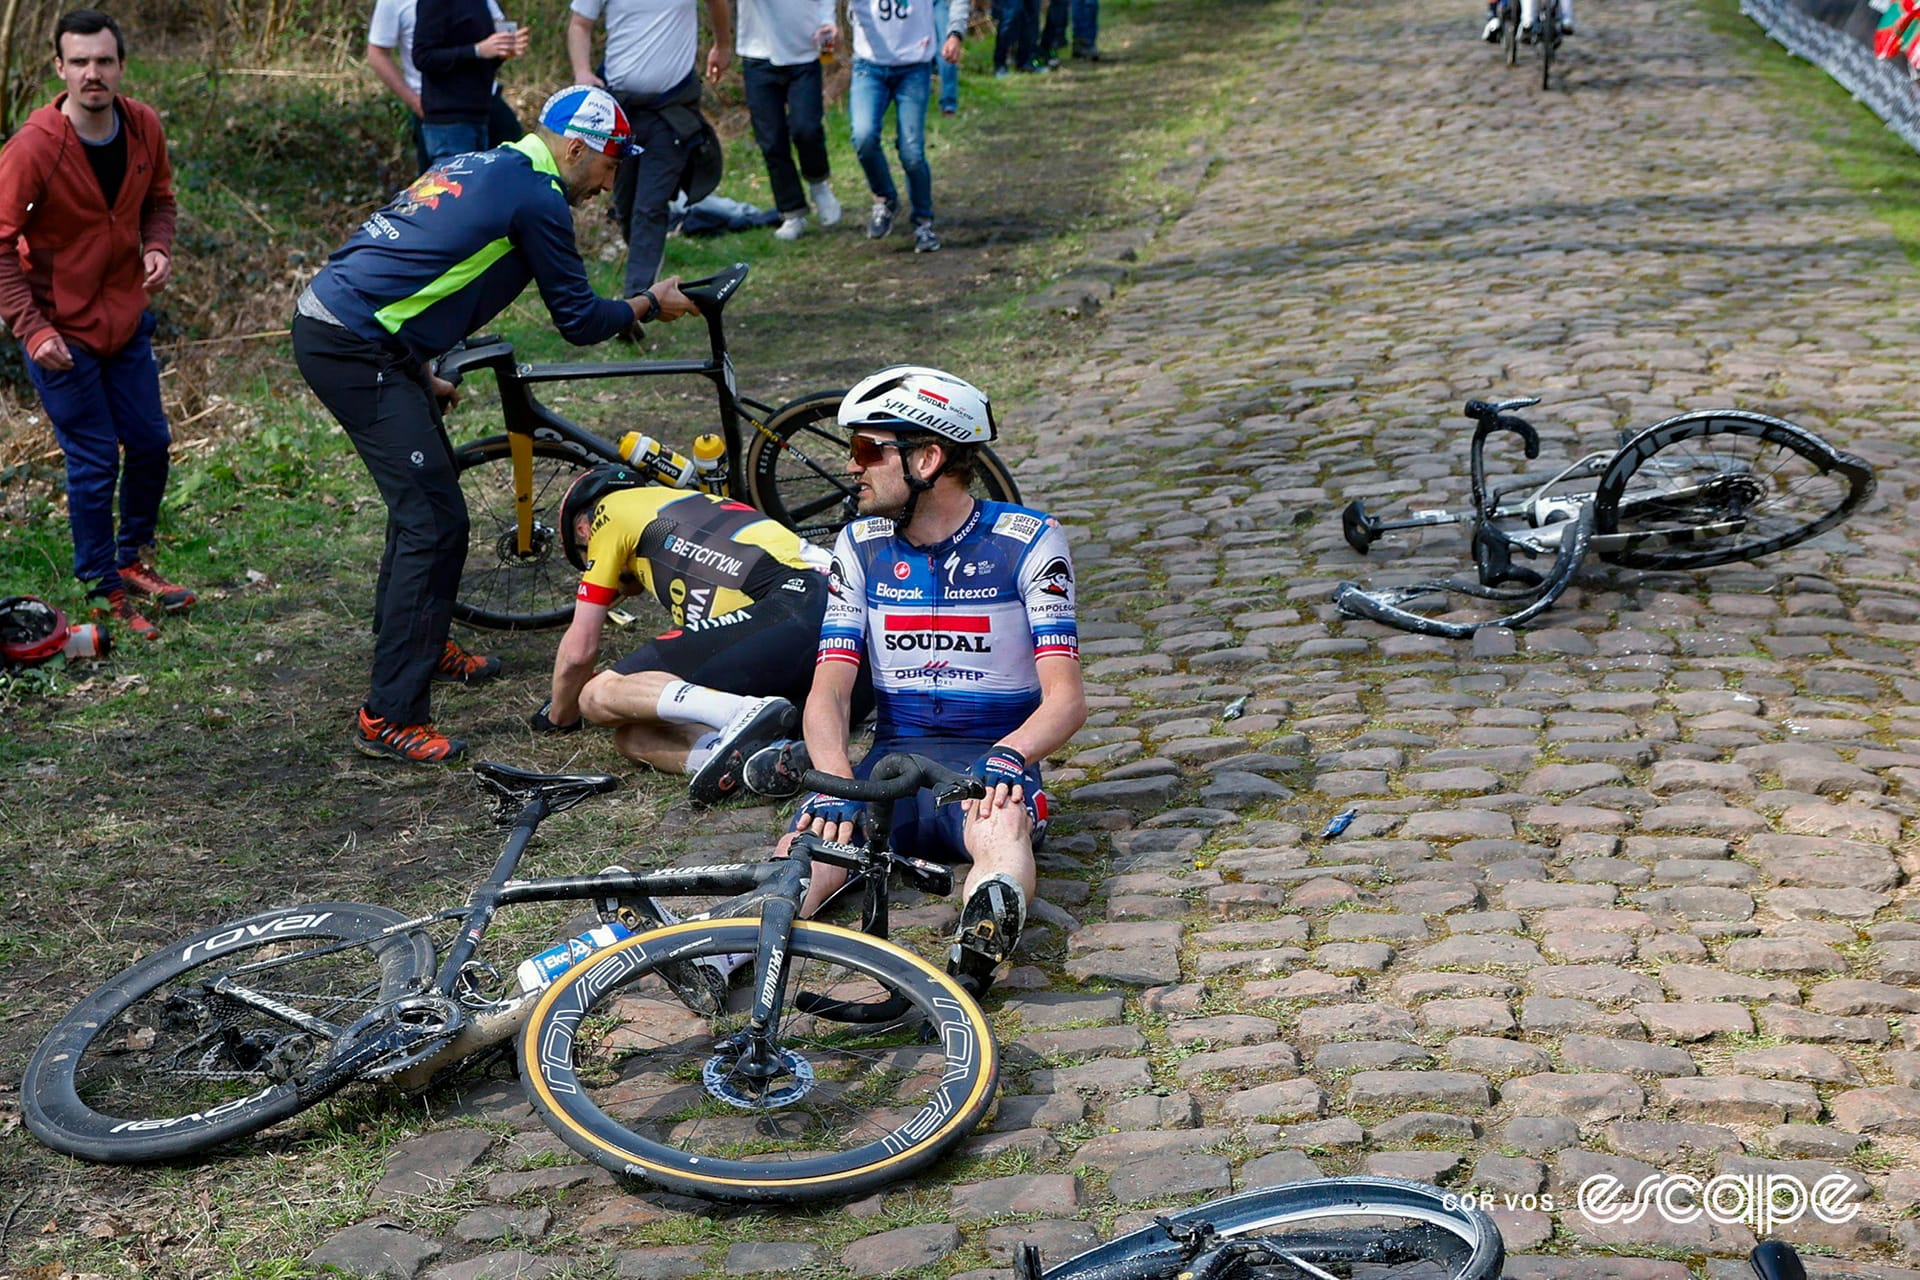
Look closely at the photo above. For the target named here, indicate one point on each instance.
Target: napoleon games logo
(1056, 579)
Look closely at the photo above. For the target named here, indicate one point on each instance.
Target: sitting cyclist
(1491, 32)
(746, 597)
(963, 611)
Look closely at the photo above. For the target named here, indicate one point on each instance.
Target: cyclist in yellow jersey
(746, 596)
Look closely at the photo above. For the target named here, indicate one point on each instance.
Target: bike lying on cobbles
(1358, 1228)
(1699, 489)
(847, 1064)
(790, 462)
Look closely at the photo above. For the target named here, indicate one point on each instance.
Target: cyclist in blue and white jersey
(964, 611)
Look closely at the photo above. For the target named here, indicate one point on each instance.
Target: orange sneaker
(414, 743)
(457, 666)
(143, 580)
(118, 608)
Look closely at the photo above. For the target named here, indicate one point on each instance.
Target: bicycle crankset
(403, 1033)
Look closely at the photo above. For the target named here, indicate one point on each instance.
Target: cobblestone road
(1627, 891)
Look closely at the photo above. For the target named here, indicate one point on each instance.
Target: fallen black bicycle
(845, 1064)
(1700, 489)
(1355, 1228)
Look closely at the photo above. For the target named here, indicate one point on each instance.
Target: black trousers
(386, 406)
(788, 115)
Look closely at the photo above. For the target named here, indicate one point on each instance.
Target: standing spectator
(1016, 28)
(442, 259)
(949, 71)
(458, 45)
(390, 54)
(86, 236)
(779, 47)
(893, 48)
(1086, 30)
(649, 68)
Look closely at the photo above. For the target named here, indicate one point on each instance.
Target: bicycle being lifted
(790, 462)
(847, 1063)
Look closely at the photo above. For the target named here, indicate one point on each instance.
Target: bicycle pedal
(621, 618)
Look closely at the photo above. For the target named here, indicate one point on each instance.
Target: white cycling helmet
(914, 398)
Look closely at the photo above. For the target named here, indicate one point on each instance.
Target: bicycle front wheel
(1510, 30)
(1720, 485)
(503, 587)
(636, 1082)
(1342, 1227)
(191, 1047)
(1549, 38)
(797, 469)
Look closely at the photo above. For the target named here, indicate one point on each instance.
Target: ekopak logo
(1760, 1201)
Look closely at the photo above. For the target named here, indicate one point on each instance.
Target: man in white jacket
(893, 51)
(779, 46)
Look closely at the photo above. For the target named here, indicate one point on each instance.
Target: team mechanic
(963, 611)
(442, 259)
(746, 596)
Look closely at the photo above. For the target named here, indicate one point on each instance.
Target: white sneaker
(824, 205)
(791, 227)
(1491, 32)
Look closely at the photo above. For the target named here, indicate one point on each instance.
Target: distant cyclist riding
(963, 611)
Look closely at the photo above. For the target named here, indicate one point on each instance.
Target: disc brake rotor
(724, 1081)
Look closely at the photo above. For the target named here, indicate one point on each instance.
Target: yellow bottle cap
(708, 446)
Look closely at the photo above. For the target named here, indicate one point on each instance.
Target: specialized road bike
(790, 462)
(1700, 489)
(847, 1063)
(1357, 1228)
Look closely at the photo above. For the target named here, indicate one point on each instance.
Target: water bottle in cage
(649, 455)
(539, 971)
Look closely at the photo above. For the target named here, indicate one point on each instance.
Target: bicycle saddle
(711, 293)
(560, 790)
(479, 352)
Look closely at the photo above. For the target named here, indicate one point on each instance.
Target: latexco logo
(1760, 1201)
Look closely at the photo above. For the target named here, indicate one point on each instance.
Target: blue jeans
(1017, 31)
(1086, 26)
(873, 88)
(444, 141)
(107, 416)
(949, 71)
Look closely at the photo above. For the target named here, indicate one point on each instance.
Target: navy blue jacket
(455, 249)
(456, 84)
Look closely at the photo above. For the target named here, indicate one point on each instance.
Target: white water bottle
(539, 971)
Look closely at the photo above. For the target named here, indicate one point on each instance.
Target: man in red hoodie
(86, 232)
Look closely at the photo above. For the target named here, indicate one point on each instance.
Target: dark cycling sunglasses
(868, 452)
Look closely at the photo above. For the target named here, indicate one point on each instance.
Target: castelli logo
(900, 570)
